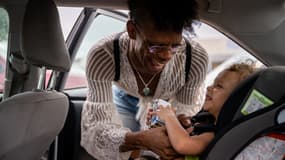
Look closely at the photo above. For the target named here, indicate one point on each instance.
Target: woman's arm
(101, 129)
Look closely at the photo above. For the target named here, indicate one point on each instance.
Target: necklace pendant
(146, 91)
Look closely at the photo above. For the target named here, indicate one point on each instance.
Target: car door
(93, 24)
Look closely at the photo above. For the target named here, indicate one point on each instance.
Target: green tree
(3, 25)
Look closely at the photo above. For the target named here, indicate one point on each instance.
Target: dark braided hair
(166, 15)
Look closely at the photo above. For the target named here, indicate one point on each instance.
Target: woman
(152, 61)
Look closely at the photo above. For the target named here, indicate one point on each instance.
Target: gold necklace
(146, 89)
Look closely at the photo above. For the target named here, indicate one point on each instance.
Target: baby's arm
(179, 137)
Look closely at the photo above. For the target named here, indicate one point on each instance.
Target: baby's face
(217, 93)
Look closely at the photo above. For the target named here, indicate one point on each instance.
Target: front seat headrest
(42, 37)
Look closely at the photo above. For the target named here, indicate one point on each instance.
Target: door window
(102, 26)
(222, 50)
(68, 16)
(4, 28)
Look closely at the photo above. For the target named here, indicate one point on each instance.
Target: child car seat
(255, 107)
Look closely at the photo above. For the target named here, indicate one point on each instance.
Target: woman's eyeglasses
(155, 48)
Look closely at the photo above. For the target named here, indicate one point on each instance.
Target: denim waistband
(124, 101)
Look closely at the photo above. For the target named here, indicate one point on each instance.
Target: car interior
(28, 129)
(40, 119)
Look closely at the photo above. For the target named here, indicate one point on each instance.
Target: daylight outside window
(222, 51)
(4, 22)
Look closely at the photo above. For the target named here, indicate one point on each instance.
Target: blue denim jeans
(127, 108)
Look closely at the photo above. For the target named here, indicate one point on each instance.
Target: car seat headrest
(262, 89)
(42, 38)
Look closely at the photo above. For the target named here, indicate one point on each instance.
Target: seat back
(256, 107)
(69, 138)
(30, 121)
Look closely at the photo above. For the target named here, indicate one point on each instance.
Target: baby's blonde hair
(243, 69)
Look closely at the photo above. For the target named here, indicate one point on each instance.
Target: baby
(216, 95)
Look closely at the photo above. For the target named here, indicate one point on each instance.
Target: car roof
(257, 25)
(110, 4)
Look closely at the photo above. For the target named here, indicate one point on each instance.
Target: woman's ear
(131, 29)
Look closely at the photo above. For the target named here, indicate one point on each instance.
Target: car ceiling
(258, 25)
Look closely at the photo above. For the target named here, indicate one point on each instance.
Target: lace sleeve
(101, 129)
(189, 99)
(194, 103)
(101, 132)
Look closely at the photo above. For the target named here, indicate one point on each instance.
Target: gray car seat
(31, 120)
(255, 108)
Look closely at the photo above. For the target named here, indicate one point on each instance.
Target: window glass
(101, 27)
(222, 51)
(4, 27)
(68, 16)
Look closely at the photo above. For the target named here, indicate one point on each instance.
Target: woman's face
(155, 48)
(217, 93)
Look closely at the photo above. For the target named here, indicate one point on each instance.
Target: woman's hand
(184, 120)
(150, 113)
(156, 140)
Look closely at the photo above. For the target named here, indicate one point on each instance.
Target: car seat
(256, 107)
(31, 120)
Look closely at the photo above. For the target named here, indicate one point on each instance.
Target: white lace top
(101, 128)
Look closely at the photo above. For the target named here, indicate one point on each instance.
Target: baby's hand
(184, 120)
(165, 111)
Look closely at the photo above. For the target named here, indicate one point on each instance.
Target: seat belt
(117, 58)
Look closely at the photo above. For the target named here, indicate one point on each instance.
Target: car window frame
(77, 33)
(4, 46)
(82, 25)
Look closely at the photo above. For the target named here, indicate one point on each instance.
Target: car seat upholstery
(31, 120)
(69, 138)
(29, 123)
(256, 107)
